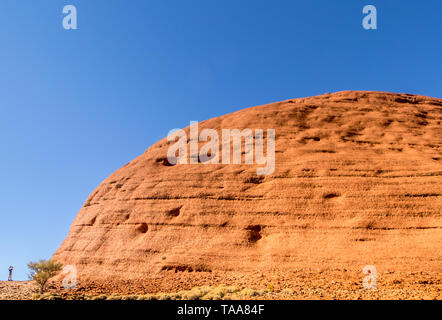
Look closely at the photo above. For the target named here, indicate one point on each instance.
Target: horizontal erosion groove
(301, 227)
(250, 198)
(423, 195)
(262, 197)
(200, 197)
(107, 260)
(395, 144)
(360, 174)
(185, 268)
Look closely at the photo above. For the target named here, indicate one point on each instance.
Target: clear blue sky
(76, 105)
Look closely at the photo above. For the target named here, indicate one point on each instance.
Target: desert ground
(17, 290)
(298, 285)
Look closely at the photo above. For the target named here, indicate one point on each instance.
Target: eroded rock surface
(357, 182)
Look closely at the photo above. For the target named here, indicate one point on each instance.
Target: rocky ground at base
(323, 285)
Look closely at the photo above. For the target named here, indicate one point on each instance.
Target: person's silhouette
(10, 273)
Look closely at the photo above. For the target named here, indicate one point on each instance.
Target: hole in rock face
(405, 100)
(165, 161)
(312, 138)
(329, 118)
(206, 158)
(326, 151)
(92, 221)
(330, 195)
(254, 233)
(174, 212)
(254, 180)
(142, 228)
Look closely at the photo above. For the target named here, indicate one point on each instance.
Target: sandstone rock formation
(357, 182)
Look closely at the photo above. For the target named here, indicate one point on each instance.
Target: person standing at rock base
(10, 273)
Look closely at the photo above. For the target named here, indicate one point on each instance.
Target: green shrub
(42, 271)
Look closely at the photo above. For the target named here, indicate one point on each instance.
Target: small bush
(287, 291)
(146, 297)
(163, 296)
(262, 292)
(48, 296)
(191, 296)
(36, 296)
(175, 296)
(248, 292)
(232, 289)
(42, 271)
(213, 296)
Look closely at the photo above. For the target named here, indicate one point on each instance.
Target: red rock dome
(357, 181)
